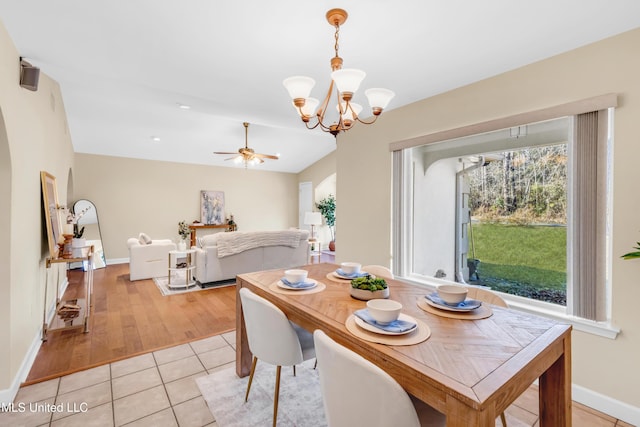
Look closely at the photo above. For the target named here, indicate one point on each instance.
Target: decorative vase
(77, 244)
(182, 245)
(332, 245)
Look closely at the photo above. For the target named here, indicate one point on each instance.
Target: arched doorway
(326, 187)
(5, 229)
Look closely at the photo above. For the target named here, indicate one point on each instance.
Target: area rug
(163, 284)
(299, 404)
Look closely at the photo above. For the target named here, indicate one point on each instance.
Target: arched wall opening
(5, 230)
(326, 187)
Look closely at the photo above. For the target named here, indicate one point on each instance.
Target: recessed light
(155, 138)
(183, 106)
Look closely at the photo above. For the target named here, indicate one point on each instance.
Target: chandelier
(347, 81)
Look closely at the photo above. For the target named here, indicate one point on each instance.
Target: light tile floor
(154, 389)
(159, 389)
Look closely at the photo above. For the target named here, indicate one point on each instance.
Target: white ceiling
(124, 66)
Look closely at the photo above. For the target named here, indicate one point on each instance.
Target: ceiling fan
(246, 154)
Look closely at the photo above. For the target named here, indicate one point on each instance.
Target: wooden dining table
(469, 370)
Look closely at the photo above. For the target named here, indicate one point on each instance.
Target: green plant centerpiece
(369, 287)
(327, 208)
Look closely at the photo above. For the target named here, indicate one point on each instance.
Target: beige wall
(320, 170)
(134, 196)
(602, 365)
(34, 136)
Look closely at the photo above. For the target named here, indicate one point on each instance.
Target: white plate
(364, 325)
(474, 304)
(340, 276)
(289, 288)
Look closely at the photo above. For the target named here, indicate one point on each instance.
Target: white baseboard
(117, 261)
(7, 395)
(615, 408)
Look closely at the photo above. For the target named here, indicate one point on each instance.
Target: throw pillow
(144, 239)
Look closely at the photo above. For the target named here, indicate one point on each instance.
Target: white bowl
(296, 276)
(452, 294)
(350, 267)
(384, 311)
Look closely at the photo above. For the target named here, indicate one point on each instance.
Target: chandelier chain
(337, 36)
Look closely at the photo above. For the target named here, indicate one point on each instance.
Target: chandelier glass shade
(346, 81)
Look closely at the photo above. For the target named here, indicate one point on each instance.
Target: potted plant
(184, 232)
(327, 208)
(632, 255)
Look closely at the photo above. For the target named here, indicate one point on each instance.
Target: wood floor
(132, 318)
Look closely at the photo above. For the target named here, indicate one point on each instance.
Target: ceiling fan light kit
(346, 81)
(246, 154)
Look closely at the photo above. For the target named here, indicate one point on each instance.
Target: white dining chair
(358, 393)
(272, 338)
(487, 296)
(378, 270)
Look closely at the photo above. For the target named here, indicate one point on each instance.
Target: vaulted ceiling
(125, 67)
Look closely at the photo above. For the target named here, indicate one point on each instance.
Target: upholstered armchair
(148, 258)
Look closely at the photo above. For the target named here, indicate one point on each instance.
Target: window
(433, 191)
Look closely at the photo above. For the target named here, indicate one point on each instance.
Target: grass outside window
(523, 260)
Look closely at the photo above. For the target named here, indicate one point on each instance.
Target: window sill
(552, 311)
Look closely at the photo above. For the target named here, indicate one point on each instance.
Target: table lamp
(312, 219)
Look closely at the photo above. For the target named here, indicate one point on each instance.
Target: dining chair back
(358, 393)
(379, 271)
(487, 296)
(271, 337)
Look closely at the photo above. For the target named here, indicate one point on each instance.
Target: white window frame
(402, 238)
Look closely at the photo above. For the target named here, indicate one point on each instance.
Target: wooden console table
(195, 227)
(70, 314)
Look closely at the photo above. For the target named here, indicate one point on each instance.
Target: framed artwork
(51, 211)
(212, 207)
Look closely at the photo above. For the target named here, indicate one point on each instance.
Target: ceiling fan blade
(267, 156)
(247, 154)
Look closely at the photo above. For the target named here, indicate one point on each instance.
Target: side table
(176, 266)
(315, 250)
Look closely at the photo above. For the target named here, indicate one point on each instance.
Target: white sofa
(222, 256)
(148, 260)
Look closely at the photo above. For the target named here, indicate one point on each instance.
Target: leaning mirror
(86, 231)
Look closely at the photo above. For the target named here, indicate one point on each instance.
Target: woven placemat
(331, 276)
(277, 289)
(481, 312)
(420, 334)
(337, 279)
